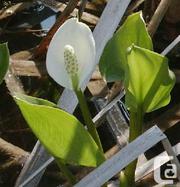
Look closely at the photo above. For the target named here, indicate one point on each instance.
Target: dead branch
(81, 8)
(115, 89)
(133, 6)
(16, 156)
(158, 16)
(25, 68)
(4, 13)
(167, 119)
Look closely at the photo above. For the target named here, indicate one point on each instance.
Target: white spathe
(79, 36)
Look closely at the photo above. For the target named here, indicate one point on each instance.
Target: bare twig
(134, 5)
(167, 119)
(26, 68)
(115, 90)
(158, 16)
(16, 155)
(4, 13)
(81, 8)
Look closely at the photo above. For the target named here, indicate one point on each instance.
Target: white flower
(71, 54)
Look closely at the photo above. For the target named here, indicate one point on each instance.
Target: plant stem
(66, 172)
(87, 118)
(136, 122)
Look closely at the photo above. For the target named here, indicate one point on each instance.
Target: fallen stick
(167, 119)
(4, 13)
(16, 156)
(158, 16)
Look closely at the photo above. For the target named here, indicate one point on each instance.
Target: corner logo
(165, 174)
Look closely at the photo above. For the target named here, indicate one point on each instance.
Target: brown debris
(12, 10)
(15, 155)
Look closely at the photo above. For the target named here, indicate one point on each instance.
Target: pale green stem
(136, 122)
(66, 172)
(87, 118)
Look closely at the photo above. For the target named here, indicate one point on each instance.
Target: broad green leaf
(113, 60)
(148, 80)
(61, 133)
(34, 100)
(4, 60)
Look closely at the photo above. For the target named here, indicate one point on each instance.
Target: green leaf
(148, 80)
(4, 60)
(61, 133)
(34, 100)
(113, 60)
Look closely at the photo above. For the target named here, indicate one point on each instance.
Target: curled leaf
(148, 80)
(113, 60)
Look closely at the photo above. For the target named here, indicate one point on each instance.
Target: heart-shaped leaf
(60, 132)
(113, 59)
(4, 60)
(148, 80)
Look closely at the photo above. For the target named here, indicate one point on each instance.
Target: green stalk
(66, 172)
(87, 117)
(136, 122)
